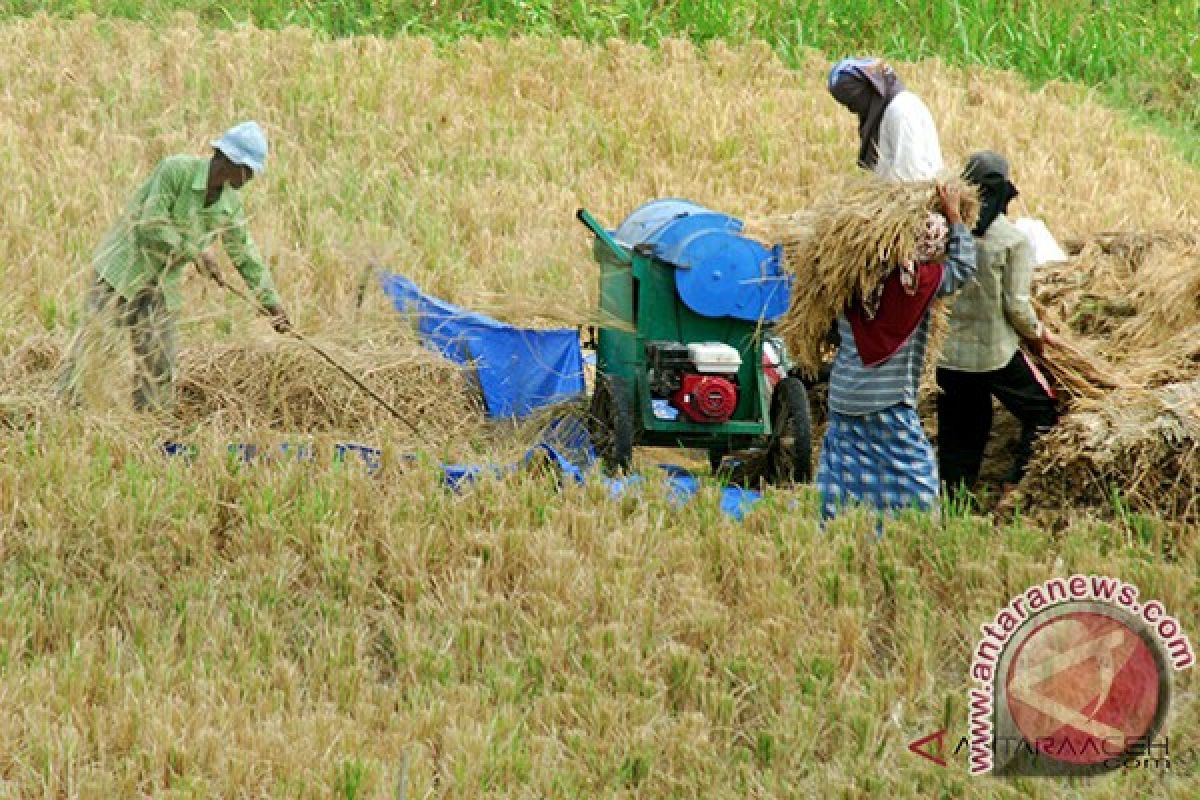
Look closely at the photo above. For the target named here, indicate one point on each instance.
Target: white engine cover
(715, 358)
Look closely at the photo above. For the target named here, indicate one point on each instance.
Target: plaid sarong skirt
(881, 459)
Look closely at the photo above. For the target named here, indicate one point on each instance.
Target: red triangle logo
(932, 753)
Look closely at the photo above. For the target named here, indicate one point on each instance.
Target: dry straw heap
(1134, 301)
(1133, 448)
(1129, 305)
(275, 384)
(284, 385)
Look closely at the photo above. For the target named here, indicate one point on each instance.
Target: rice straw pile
(252, 383)
(1128, 306)
(844, 247)
(1131, 246)
(1144, 444)
(1073, 368)
(1132, 304)
(287, 386)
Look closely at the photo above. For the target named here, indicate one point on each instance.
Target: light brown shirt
(991, 315)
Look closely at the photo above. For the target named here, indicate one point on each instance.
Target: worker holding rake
(183, 207)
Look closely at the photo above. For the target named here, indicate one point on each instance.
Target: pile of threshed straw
(254, 383)
(284, 385)
(1132, 301)
(1135, 448)
(1129, 305)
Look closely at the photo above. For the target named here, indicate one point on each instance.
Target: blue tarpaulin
(518, 369)
(567, 444)
(564, 444)
(682, 487)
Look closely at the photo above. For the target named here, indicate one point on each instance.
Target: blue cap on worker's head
(245, 144)
(847, 65)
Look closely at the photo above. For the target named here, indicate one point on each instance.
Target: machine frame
(638, 294)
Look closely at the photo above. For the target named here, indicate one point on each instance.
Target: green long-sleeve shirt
(166, 226)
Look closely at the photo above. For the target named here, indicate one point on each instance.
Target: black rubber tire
(610, 422)
(789, 449)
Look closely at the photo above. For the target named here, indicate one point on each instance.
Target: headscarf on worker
(990, 172)
(865, 86)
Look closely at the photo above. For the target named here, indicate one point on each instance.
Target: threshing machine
(684, 352)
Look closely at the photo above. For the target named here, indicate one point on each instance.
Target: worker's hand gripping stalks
(279, 318)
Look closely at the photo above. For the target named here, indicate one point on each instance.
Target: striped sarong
(882, 459)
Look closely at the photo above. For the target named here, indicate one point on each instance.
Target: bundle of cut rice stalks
(1141, 446)
(1073, 368)
(844, 247)
(1137, 308)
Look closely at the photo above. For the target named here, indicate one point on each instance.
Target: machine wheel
(789, 450)
(610, 422)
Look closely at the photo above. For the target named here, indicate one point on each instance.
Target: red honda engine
(706, 398)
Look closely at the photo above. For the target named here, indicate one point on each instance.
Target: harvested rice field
(205, 627)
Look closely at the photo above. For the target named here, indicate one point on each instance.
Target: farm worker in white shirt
(897, 137)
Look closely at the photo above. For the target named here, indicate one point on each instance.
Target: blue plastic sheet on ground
(567, 444)
(282, 452)
(564, 443)
(371, 457)
(735, 501)
(682, 486)
(459, 476)
(519, 369)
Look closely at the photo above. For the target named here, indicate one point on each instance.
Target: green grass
(1140, 56)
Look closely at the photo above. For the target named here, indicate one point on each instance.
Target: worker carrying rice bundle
(185, 204)
(991, 325)
(877, 259)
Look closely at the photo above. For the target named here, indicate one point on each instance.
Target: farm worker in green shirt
(186, 203)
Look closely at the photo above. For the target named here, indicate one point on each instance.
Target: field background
(1141, 56)
(216, 631)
